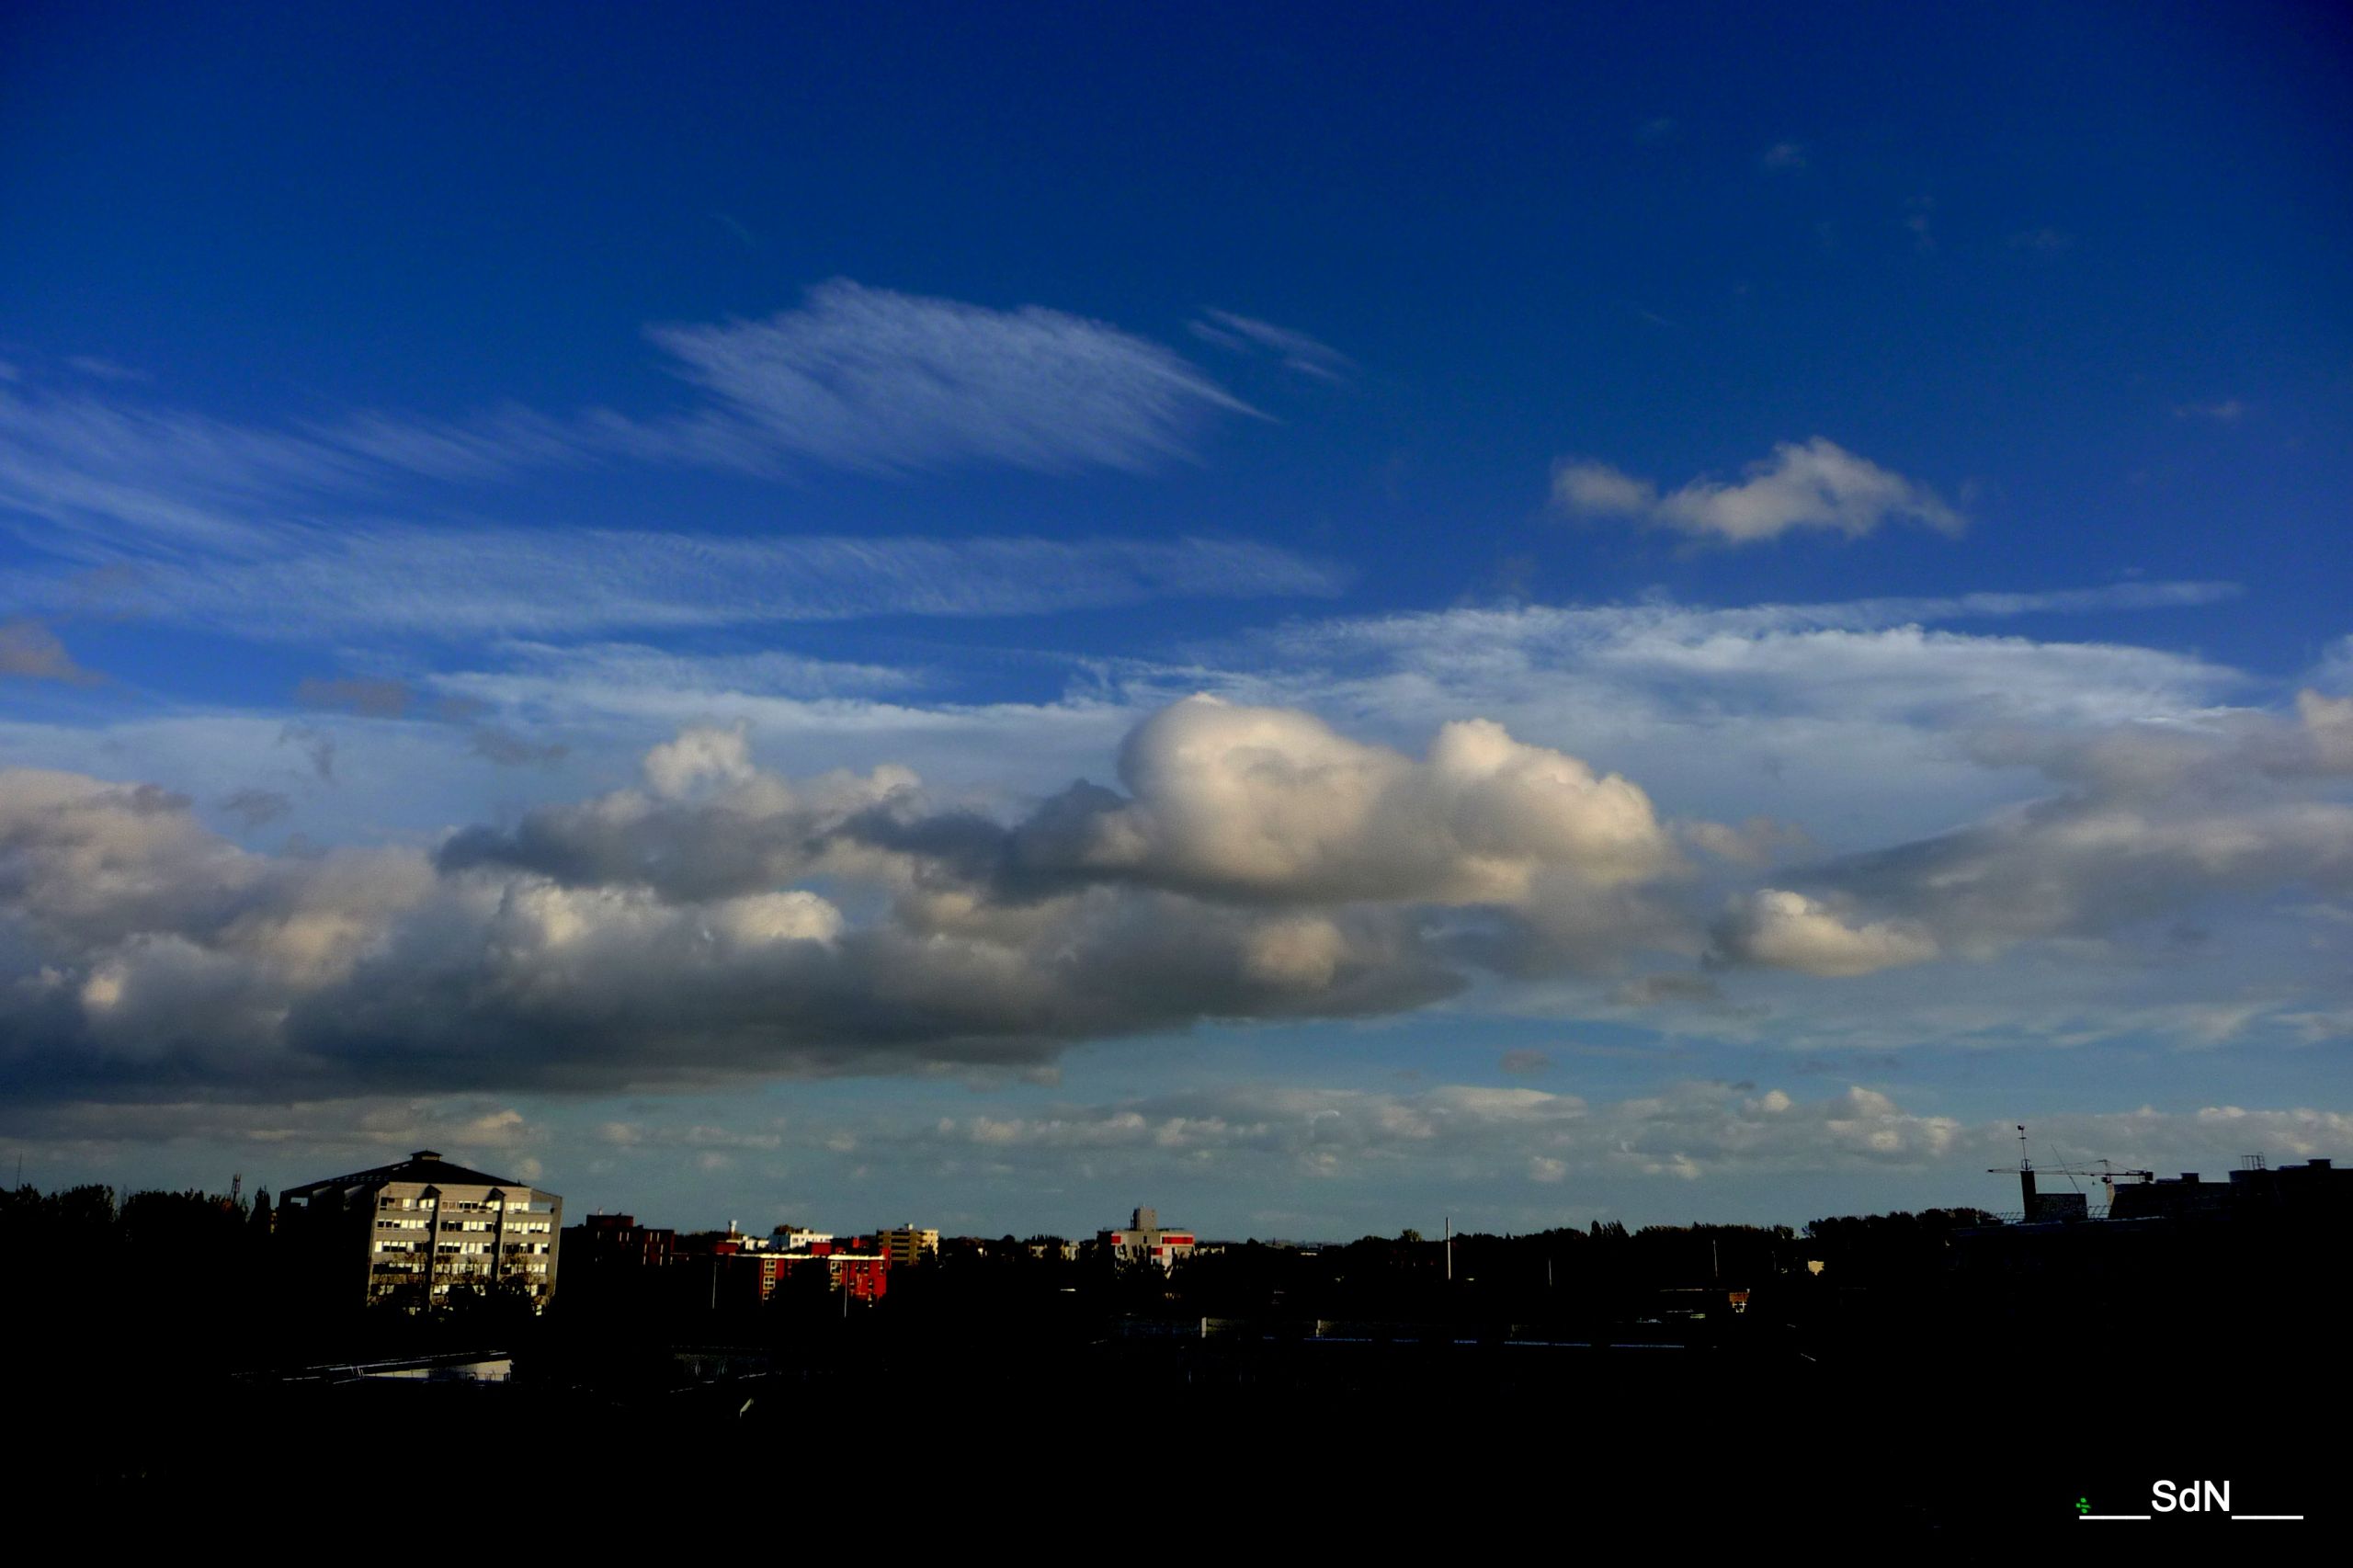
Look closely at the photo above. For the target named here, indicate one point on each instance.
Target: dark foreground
(1205, 1442)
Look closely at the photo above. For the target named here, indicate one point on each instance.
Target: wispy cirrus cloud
(870, 378)
(282, 531)
(1817, 485)
(318, 584)
(1295, 350)
(852, 378)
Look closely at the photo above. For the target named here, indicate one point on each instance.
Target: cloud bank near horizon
(719, 920)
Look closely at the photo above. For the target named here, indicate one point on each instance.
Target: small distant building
(611, 1262)
(2316, 1189)
(865, 1275)
(747, 1270)
(1145, 1238)
(615, 1240)
(408, 1232)
(907, 1245)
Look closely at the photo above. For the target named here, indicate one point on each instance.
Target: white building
(1145, 1238)
(407, 1232)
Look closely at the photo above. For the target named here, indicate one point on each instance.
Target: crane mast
(2031, 1204)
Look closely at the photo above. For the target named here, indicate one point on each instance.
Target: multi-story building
(408, 1232)
(864, 1275)
(1145, 1238)
(728, 1268)
(907, 1245)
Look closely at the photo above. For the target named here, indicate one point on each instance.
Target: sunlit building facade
(410, 1233)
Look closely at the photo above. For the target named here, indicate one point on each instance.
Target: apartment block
(1145, 1238)
(907, 1245)
(409, 1233)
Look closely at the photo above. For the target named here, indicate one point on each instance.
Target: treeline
(1860, 1249)
(1597, 1272)
(205, 1276)
(183, 1283)
(169, 1272)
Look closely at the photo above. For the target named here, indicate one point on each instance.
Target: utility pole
(1449, 1249)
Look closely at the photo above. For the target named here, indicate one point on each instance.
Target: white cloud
(1499, 1143)
(680, 933)
(855, 378)
(700, 756)
(1256, 863)
(2328, 725)
(1688, 1130)
(866, 378)
(1817, 485)
(1789, 930)
(198, 520)
(1255, 802)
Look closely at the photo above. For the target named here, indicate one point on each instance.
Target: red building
(865, 1275)
(620, 1239)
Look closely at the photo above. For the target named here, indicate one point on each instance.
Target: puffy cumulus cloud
(94, 866)
(1249, 807)
(719, 921)
(2301, 1133)
(592, 987)
(700, 756)
(708, 824)
(1817, 485)
(1260, 803)
(1789, 930)
(2208, 1139)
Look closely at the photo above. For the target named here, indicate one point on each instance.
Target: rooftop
(424, 1166)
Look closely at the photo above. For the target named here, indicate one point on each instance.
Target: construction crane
(2026, 1171)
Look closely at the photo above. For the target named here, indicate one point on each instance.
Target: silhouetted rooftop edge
(423, 1165)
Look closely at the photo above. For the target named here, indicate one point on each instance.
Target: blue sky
(1319, 620)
